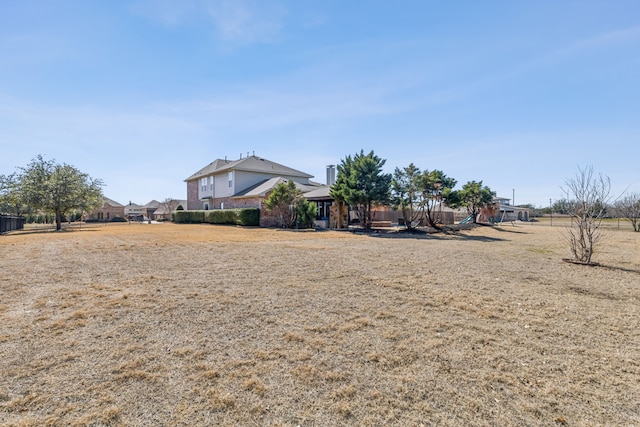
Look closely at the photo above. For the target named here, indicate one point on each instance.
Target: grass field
(162, 324)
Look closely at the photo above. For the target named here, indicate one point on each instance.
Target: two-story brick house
(242, 183)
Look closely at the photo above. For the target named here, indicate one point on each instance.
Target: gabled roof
(211, 168)
(110, 202)
(162, 209)
(262, 188)
(321, 193)
(152, 204)
(248, 164)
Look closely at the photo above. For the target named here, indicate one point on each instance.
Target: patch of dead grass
(205, 325)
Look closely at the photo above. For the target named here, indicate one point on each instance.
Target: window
(203, 184)
(211, 183)
(324, 210)
(230, 179)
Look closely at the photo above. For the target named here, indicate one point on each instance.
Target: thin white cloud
(280, 107)
(235, 22)
(568, 52)
(33, 47)
(301, 98)
(625, 35)
(244, 21)
(581, 47)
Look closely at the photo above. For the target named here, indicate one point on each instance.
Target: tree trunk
(430, 221)
(58, 220)
(408, 216)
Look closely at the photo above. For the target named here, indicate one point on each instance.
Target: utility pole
(551, 212)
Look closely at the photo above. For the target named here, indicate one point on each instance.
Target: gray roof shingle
(262, 188)
(248, 164)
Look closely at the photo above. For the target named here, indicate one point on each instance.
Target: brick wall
(231, 203)
(106, 213)
(193, 202)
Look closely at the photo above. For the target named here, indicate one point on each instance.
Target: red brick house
(242, 183)
(109, 210)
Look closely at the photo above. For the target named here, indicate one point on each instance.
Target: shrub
(248, 217)
(221, 216)
(307, 212)
(189, 217)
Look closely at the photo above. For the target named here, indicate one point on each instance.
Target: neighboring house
(502, 210)
(243, 183)
(149, 209)
(134, 212)
(325, 204)
(165, 209)
(109, 210)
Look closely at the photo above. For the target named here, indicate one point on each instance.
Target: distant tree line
(627, 207)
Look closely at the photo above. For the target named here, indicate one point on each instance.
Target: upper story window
(211, 183)
(203, 184)
(230, 179)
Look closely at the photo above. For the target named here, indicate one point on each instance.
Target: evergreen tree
(406, 194)
(436, 189)
(361, 184)
(473, 196)
(290, 207)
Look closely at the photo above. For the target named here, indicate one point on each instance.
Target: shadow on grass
(605, 266)
(52, 229)
(506, 230)
(444, 233)
(461, 236)
(618, 268)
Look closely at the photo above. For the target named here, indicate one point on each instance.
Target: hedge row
(248, 216)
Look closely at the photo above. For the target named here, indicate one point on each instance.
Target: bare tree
(168, 205)
(588, 195)
(629, 208)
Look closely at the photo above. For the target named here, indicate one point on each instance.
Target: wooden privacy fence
(10, 223)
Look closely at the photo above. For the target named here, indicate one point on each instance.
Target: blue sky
(143, 93)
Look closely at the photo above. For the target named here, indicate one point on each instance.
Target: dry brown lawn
(211, 325)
